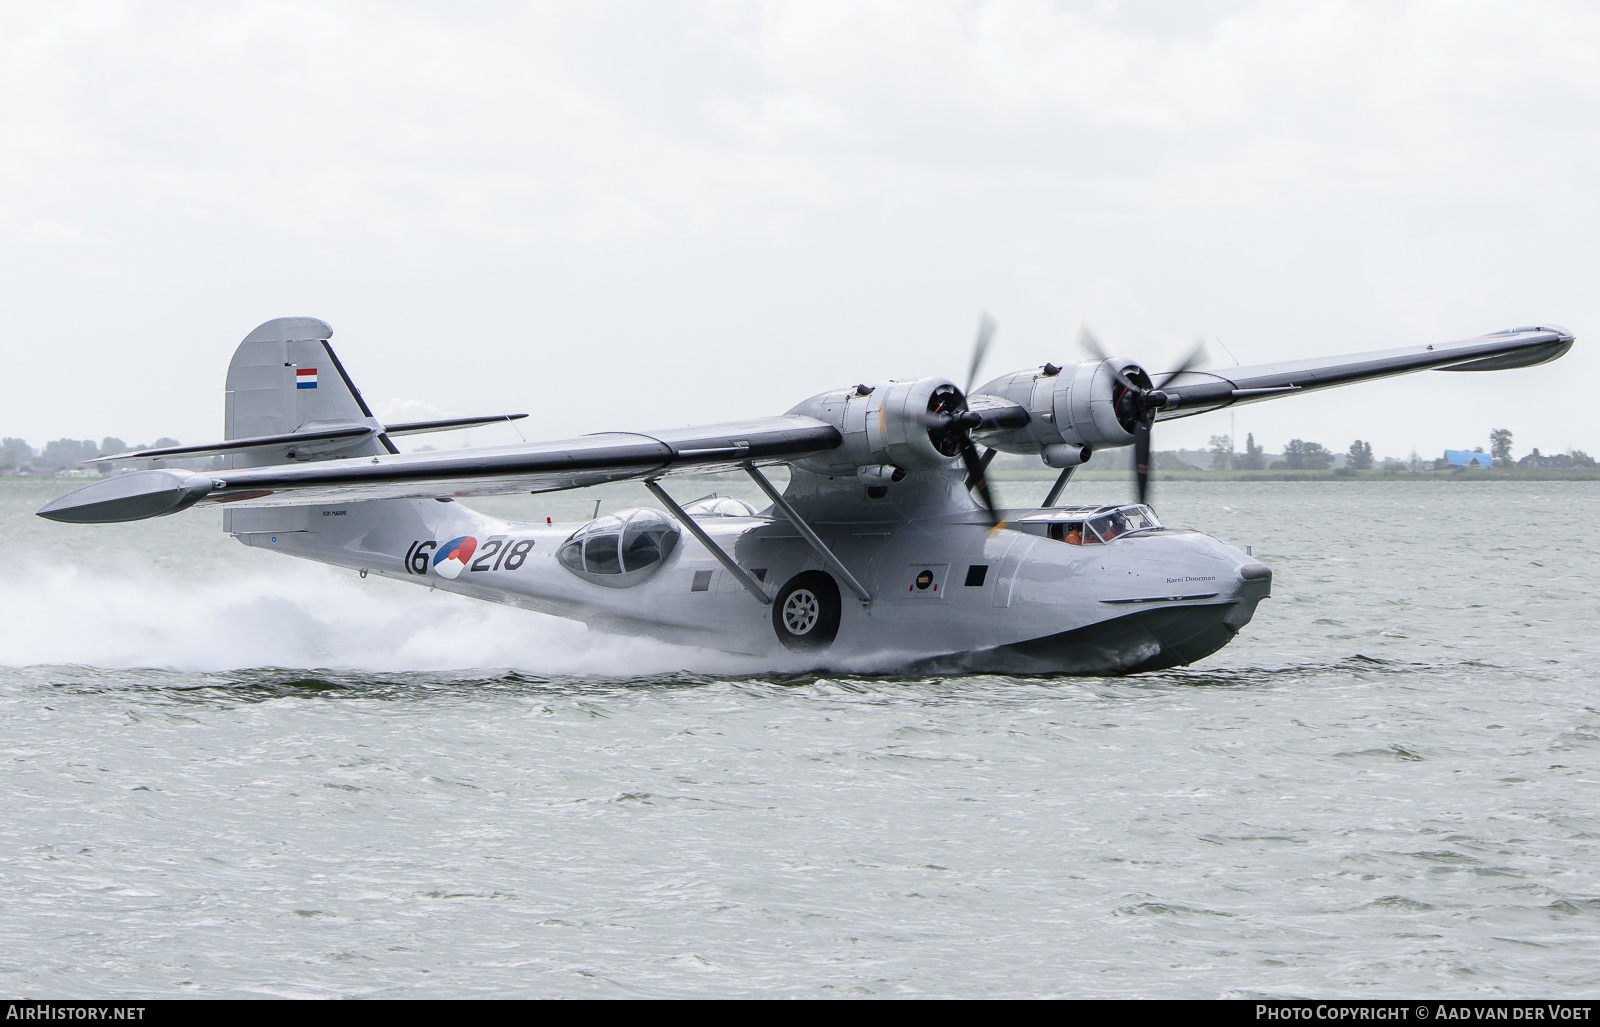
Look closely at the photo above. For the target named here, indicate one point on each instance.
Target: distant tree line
(1500, 450)
(1300, 455)
(17, 457)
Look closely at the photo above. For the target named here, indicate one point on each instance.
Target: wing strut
(805, 529)
(717, 551)
(1061, 483)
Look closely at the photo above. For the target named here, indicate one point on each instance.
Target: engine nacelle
(1080, 405)
(885, 424)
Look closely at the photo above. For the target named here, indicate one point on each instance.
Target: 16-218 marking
(499, 552)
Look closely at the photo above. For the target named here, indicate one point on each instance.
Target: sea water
(228, 773)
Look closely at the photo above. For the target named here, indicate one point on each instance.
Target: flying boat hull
(950, 597)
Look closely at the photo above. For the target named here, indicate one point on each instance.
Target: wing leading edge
(1195, 392)
(537, 467)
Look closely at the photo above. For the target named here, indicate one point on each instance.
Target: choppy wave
(229, 775)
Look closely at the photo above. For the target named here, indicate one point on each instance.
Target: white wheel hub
(801, 611)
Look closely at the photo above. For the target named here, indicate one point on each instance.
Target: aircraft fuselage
(948, 593)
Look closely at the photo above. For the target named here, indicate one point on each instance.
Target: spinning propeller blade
(1141, 459)
(950, 420)
(1090, 345)
(1145, 402)
(980, 478)
(1196, 355)
(980, 348)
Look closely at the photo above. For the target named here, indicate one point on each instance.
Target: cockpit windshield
(1109, 525)
(1093, 526)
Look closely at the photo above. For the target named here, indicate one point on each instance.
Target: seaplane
(884, 551)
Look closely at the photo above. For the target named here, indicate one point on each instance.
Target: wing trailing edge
(1195, 392)
(504, 470)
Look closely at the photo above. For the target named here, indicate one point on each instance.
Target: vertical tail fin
(285, 378)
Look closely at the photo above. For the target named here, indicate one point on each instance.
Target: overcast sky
(638, 215)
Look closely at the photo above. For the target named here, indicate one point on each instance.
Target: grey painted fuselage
(1034, 604)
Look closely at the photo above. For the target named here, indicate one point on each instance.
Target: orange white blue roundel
(452, 557)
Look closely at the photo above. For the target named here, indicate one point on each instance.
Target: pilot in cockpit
(1068, 532)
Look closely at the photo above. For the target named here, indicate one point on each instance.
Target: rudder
(284, 378)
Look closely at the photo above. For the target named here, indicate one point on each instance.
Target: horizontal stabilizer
(352, 432)
(129, 497)
(232, 445)
(418, 427)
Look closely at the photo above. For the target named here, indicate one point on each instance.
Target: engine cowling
(1079, 405)
(884, 425)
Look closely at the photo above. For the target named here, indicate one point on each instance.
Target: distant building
(1462, 458)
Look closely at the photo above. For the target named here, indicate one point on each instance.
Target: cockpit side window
(1070, 532)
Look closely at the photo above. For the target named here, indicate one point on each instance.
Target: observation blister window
(620, 549)
(720, 506)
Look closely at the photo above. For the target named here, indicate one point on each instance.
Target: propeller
(950, 422)
(980, 349)
(950, 426)
(1136, 403)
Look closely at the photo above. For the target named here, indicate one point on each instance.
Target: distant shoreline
(1473, 475)
(1493, 474)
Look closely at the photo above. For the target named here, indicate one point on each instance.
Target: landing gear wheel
(806, 612)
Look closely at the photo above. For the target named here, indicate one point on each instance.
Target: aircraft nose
(1255, 579)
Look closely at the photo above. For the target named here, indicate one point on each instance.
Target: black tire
(806, 613)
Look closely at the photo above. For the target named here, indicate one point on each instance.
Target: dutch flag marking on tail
(305, 378)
